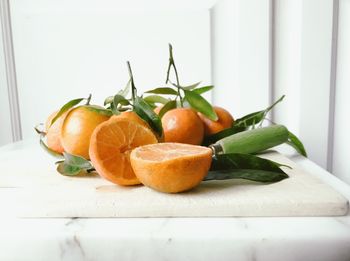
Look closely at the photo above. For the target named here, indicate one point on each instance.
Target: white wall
(341, 152)
(63, 52)
(5, 121)
(241, 55)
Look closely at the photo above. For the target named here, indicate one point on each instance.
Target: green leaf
(145, 111)
(73, 165)
(99, 110)
(248, 174)
(118, 99)
(48, 150)
(189, 87)
(203, 89)
(68, 170)
(255, 117)
(296, 144)
(76, 161)
(243, 161)
(108, 100)
(222, 134)
(163, 90)
(125, 91)
(65, 108)
(167, 107)
(200, 104)
(246, 166)
(114, 110)
(155, 99)
(250, 119)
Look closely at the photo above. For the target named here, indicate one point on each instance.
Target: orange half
(110, 147)
(171, 167)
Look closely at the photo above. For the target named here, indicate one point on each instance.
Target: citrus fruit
(225, 120)
(171, 167)
(110, 147)
(53, 132)
(78, 126)
(183, 125)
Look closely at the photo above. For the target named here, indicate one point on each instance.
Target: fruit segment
(110, 147)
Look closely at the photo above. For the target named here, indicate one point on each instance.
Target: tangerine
(78, 126)
(183, 125)
(171, 167)
(225, 120)
(110, 147)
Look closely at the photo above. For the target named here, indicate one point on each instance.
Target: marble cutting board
(30, 187)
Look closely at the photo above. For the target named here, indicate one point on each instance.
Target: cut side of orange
(171, 167)
(110, 147)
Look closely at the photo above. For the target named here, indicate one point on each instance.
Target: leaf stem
(88, 99)
(133, 88)
(172, 64)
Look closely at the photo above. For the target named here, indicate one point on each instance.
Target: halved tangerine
(171, 167)
(110, 147)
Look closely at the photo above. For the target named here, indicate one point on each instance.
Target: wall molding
(333, 85)
(10, 70)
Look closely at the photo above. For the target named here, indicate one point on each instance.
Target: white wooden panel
(64, 51)
(5, 121)
(241, 54)
(287, 62)
(341, 147)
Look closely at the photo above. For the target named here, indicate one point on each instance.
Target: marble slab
(31, 187)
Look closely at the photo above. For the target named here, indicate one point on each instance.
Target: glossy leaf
(108, 100)
(48, 150)
(156, 99)
(250, 119)
(189, 87)
(200, 104)
(66, 107)
(255, 117)
(296, 144)
(73, 165)
(125, 91)
(99, 110)
(146, 112)
(167, 107)
(203, 89)
(248, 174)
(237, 165)
(163, 90)
(243, 161)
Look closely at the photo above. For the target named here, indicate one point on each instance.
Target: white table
(278, 238)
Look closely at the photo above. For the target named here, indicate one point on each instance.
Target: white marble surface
(277, 238)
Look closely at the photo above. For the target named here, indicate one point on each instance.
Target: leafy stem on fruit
(172, 64)
(88, 99)
(133, 88)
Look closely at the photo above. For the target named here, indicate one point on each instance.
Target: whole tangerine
(53, 132)
(183, 125)
(78, 126)
(225, 120)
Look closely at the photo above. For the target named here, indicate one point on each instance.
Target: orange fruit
(134, 117)
(110, 147)
(78, 126)
(171, 167)
(183, 125)
(53, 132)
(225, 120)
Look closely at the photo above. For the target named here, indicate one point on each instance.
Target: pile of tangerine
(116, 145)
